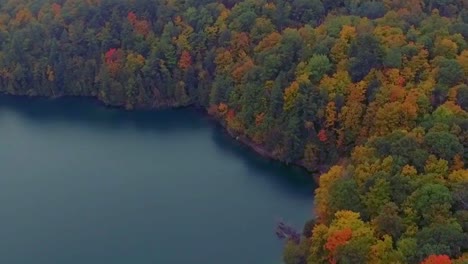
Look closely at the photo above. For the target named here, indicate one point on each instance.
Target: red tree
(132, 18)
(437, 259)
(142, 27)
(322, 135)
(337, 239)
(231, 114)
(56, 8)
(111, 56)
(113, 59)
(185, 60)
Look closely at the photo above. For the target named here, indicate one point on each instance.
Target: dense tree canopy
(373, 94)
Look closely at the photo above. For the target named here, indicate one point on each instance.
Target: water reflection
(91, 113)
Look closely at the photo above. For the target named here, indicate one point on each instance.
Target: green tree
(446, 239)
(389, 222)
(450, 72)
(365, 54)
(443, 144)
(318, 66)
(344, 195)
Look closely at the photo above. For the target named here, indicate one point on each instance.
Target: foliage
(373, 94)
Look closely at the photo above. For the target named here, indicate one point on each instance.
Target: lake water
(82, 183)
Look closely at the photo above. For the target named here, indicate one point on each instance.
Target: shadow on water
(295, 178)
(91, 113)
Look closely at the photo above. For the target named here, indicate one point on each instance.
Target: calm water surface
(81, 183)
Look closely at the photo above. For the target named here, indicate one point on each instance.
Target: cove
(82, 183)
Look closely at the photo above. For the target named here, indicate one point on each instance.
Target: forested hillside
(374, 94)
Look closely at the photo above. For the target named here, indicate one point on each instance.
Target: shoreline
(245, 141)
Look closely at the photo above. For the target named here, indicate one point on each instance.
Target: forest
(371, 95)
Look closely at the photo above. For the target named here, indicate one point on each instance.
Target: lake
(82, 183)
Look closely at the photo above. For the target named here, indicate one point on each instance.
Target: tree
(463, 61)
(322, 200)
(357, 249)
(262, 27)
(243, 17)
(372, 9)
(365, 54)
(307, 11)
(377, 196)
(430, 198)
(437, 259)
(388, 222)
(446, 47)
(290, 96)
(311, 156)
(253, 103)
(222, 85)
(337, 239)
(344, 195)
(445, 239)
(393, 58)
(462, 97)
(185, 60)
(294, 253)
(318, 66)
(450, 72)
(383, 252)
(443, 144)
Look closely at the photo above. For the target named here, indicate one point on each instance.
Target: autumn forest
(371, 96)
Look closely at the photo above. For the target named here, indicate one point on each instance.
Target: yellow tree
(134, 62)
(290, 96)
(322, 201)
(268, 42)
(387, 119)
(365, 171)
(351, 113)
(390, 37)
(382, 252)
(339, 52)
(317, 251)
(23, 16)
(182, 41)
(417, 66)
(336, 84)
(352, 232)
(223, 60)
(330, 115)
(445, 47)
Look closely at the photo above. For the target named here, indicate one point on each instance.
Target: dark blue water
(81, 183)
